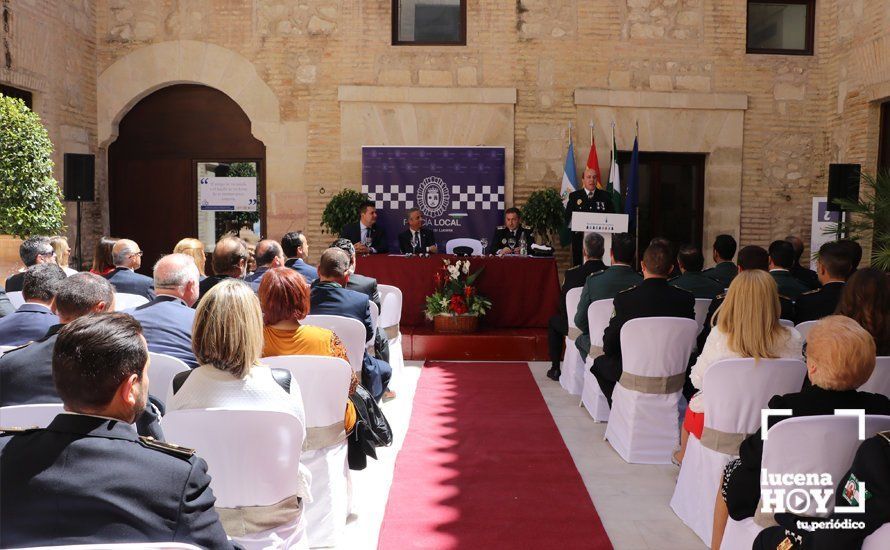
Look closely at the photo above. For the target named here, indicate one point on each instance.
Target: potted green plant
(544, 214)
(341, 209)
(30, 199)
(870, 215)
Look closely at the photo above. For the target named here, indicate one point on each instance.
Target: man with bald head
(167, 319)
(127, 258)
(268, 254)
(229, 261)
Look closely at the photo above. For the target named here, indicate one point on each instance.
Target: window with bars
(429, 22)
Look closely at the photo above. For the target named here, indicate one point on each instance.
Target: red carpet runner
(483, 466)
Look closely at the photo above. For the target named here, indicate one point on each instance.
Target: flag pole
(637, 206)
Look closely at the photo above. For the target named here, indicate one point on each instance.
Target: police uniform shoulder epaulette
(169, 448)
(885, 435)
(628, 289)
(721, 296)
(595, 273)
(17, 348)
(15, 430)
(674, 278)
(684, 289)
(815, 291)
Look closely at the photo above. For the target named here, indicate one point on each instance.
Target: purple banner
(460, 190)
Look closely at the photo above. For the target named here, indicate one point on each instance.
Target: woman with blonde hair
(63, 253)
(745, 325)
(195, 249)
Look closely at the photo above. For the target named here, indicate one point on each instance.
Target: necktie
(416, 242)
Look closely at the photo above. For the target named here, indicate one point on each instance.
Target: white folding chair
(598, 316)
(804, 328)
(123, 301)
(16, 298)
(324, 384)
(786, 323)
(29, 416)
(375, 315)
(253, 458)
(879, 381)
(162, 368)
(736, 390)
(472, 243)
(643, 427)
(351, 333)
(121, 546)
(390, 317)
(701, 311)
(806, 444)
(571, 358)
(879, 540)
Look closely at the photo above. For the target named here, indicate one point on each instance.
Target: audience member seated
(103, 259)
(329, 296)
(5, 305)
(834, 267)
(691, 261)
(89, 478)
(803, 274)
(195, 249)
(866, 300)
(365, 234)
(229, 261)
(606, 284)
(507, 238)
(417, 239)
(33, 319)
(724, 250)
(127, 259)
(854, 251)
(781, 259)
(840, 358)
(268, 254)
(558, 327)
(747, 326)
(284, 299)
(33, 251)
(167, 319)
(63, 253)
(653, 297)
(296, 248)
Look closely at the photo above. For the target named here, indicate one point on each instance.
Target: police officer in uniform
(508, 238)
(833, 266)
(781, 258)
(692, 279)
(724, 270)
(590, 198)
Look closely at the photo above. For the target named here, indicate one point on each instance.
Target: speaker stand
(77, 253)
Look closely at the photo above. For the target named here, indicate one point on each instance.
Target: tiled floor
(632, 500)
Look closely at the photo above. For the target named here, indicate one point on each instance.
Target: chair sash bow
(653, 384)
(324, 436)
(247, 520)
(722, 442)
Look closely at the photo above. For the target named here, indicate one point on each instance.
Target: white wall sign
(822, 219)
(227, 194)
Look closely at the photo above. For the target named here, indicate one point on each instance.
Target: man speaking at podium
(590, 198)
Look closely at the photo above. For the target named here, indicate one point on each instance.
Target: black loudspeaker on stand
(80, 179)
(843, 183)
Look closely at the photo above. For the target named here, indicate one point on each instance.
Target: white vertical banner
(822, 220)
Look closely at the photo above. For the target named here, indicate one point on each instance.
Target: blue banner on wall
(460, 190)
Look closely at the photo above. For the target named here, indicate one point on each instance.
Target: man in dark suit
(558, 327)
(834, 265)
(32, 251)
(724, 250)
(590, 198)
(296, 248)
(692, 279)
(329, 296)
(508, 238)
(5, 305)
(127, 259)
(654, 297)
(365, 234)
(91, 457)
(167, 320)
(417, 239)
(35, 316)
(805, 275)
(268, 254)
(781, 258)
(229, 261)
(853, 251)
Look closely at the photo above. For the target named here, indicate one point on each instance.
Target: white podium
(604, 224)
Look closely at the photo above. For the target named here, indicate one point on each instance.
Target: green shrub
(544, 213)
(341, 209)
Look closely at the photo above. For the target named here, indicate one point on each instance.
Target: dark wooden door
(153, 196)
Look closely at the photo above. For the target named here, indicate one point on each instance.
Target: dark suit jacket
(699, 284)
(789, 287)
(574, 278)
(30, 322)
(213, 280)
(167, 326)
(723, 273)
(353, 232)
(128, 281)
(816, 304)
(407, 246)
(257, 275)
(333, 299)
(15, 282)
(307, 271)
(578, 202)
(5, 305)
(112, 486)
(502, 237)
(807, 276)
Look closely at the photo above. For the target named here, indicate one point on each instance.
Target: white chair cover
(375, 315)
(123, 301)
(737, 390)
(572, 372)
(390, 317)
(804, 328)
(162, 368)
(324, 384)
(472, 243)
(701, 311)
(598, 316)
(253, 458)
(643, 427)
(806, 444)
(350, 331)
(29, 416)
(879, 381)
(571, 358)
(121, 546)
(879, 540)
(786, 323)
(16, 298)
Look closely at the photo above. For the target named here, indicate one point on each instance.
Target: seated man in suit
(329, 296)
(127, 259)
(5, 305)
(558, 327)
(781, 259)
(229, 261)
(654, 297)
(35, 316)
(296, 248)
(803, 274)
(605, 285)
(508, 238)
(417, 239)
(834, 266)
(167, 320)
(692, 279)
(114, 486)
(268, 254)
(724, 250)
(32, 251)
(365, 234)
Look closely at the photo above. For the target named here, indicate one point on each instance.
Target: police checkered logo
(476, 197)
(390, 197)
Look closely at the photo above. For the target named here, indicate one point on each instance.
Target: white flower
(466, 267)
(453, 272)
(444, 302)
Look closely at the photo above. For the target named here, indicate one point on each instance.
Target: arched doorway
(166, 143)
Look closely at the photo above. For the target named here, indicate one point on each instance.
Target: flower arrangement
(455, 293)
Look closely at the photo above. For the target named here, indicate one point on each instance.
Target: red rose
(457, 304)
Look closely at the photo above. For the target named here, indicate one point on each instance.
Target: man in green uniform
(781, 258)
(692, 279)
(724, 250)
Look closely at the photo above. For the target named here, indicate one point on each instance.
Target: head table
(524, 291)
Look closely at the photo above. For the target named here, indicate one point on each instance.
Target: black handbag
(371, 430)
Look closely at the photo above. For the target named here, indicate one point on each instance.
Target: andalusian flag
(614, 187)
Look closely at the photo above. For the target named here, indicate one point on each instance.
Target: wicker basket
(456, 324)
